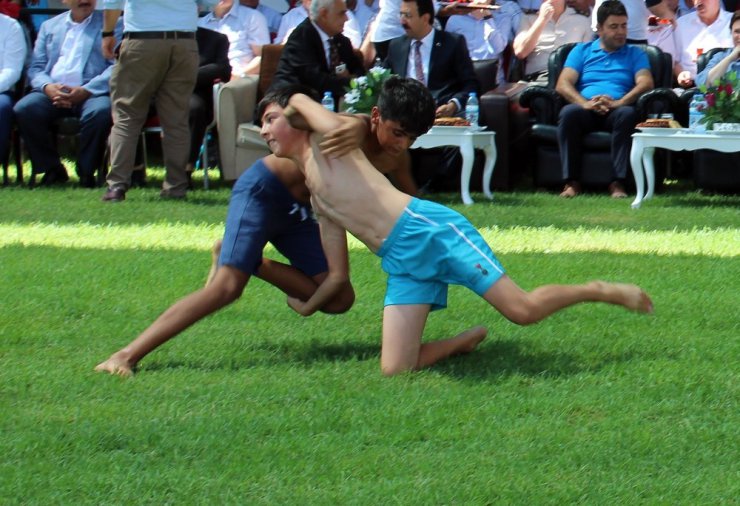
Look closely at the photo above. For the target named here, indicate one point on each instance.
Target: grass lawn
(255, 405)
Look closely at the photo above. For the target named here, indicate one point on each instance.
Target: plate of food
(659, 124)
(451, 121)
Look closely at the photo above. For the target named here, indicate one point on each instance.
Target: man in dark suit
(317, 54)
(440, 60)
(213, 51)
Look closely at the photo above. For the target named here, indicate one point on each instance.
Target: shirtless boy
(424, 246)
(269, 203)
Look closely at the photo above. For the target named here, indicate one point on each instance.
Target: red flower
(710, 99)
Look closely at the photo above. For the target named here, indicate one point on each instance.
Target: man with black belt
(158, 60)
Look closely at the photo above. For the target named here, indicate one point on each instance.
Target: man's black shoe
(114, 195)
(52, 176)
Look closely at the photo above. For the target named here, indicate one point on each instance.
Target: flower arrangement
(363, 91)
(723, 100)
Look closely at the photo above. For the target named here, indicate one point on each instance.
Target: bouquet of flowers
(363, 91)
(723, 100)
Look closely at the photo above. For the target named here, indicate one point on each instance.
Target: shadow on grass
(271, 354)
(498, 360)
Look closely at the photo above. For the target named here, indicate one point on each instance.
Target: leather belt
(159, 35)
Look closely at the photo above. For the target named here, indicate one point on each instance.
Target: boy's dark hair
(735, 17)
(610, 8)
(408, 102)
(281, 96)
(425, 7)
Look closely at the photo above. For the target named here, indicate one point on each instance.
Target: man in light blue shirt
(158, 60)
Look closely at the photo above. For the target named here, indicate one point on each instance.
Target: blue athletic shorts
(431, 247)
(262, 210)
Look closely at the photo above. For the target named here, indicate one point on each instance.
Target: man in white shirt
(69, 76)
(482, 34)
(12, 55)
(247, 32)
(273, 17)
(540, 34)
(699, 31)
(291, 19)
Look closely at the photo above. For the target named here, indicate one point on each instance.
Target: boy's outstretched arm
(305, 113)
(334, 242)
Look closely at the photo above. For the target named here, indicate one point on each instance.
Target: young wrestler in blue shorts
(424, 246)
(269, 203)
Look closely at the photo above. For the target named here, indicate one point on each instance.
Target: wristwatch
(105, 34)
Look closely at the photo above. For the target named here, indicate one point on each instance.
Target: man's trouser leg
(621, 123)
(135, 79)
(172, 103)
(35, 115)
(95, 123)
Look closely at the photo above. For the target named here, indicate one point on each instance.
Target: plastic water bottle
(328, 101)
(471, 110)
(696, 113)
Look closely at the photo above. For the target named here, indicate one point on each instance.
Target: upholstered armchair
(544, 104)
(239, 141)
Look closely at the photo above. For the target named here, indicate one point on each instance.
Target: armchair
(544, 104)
(239, 141)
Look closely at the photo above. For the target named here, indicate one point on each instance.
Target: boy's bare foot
(630, 296)
(470, 339)
(116, 365)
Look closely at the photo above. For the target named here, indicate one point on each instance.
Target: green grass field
(255, 405)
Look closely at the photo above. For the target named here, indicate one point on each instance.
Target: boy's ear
(375, 115)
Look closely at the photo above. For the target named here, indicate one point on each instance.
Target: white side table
(467, 140)
(675, 139)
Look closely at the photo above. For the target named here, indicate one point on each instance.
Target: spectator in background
(438, 59)
(661, 29)
(441, 61)
(158, 60)
(69, 76)
(637, 20)
(725, 61)
(583, 7)
(213, 66)
(601, 80)
(699, 31)
(12, 56)
(482, 35)
(540, 34)
(272, 16)
(246, 30)
(317, 54)
(291, 20)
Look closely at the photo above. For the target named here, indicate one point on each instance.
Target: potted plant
(363, 91)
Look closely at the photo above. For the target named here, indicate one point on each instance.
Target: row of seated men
(67, 75)
(415, 20)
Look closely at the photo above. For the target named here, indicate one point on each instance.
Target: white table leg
(468, 154)
(648, 164)
(490, 152)
(637, 170)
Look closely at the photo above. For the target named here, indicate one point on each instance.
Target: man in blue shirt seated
(601, 80)
(725, 61)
